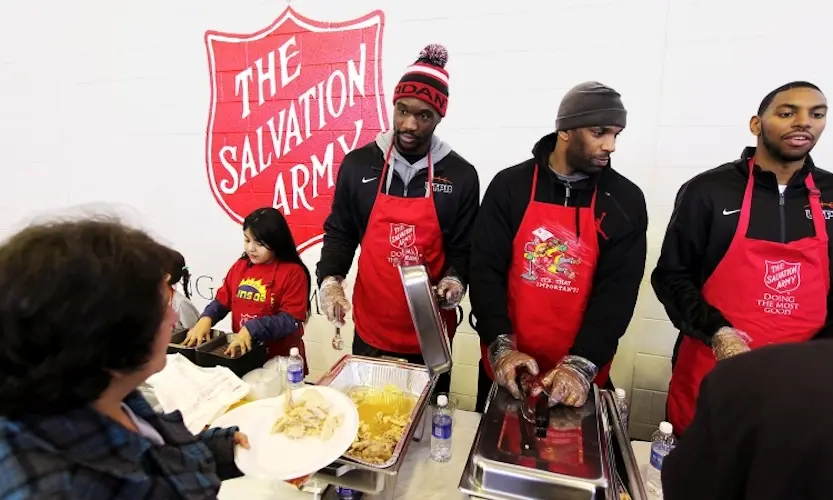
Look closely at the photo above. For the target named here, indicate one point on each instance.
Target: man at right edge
(746, 261)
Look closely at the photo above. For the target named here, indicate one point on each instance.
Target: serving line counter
(508, 453)
(420, 478)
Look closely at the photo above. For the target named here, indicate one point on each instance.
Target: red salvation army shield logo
(402, 235)
(782, 276)
(287, 104)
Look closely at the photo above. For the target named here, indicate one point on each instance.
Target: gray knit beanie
(591, 104)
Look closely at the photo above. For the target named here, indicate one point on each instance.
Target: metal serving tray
(359, 371)
(419, 380)
(590, 444)
(620, 449)
(505, 464)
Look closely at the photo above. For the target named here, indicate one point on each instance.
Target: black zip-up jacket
(621, 227)
(702, 226)
(456, 197)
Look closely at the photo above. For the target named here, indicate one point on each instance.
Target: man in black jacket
(558, 252)
(407, 198)
(745, 261)
(745, 443)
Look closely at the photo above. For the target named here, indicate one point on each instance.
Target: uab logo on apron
(551, 261)
(782, 278)
(404, 251)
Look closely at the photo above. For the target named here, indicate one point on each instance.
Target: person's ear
(755, 126)
(564, 135)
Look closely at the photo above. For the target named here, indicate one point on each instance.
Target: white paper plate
(276, 457)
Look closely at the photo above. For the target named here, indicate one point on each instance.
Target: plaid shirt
(84, 455)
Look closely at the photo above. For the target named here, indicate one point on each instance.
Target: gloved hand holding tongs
(535, 407)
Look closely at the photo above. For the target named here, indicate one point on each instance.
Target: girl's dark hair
(79, 301)
(180, 273)
(270, 229)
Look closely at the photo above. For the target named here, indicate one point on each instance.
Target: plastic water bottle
(441, 431)
(295, 369)
(622, 405)
(662, 442)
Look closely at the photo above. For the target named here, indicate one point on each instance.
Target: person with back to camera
(75, 343)
(187, 312)
(266, 291)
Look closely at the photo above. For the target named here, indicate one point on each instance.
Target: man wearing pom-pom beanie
(407, 198)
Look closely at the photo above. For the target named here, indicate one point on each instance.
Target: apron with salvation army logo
(400, 232)
(775, 292)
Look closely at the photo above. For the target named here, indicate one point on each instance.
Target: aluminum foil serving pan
(359, 371)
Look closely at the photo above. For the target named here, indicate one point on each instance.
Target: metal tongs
(338, 342)
(535, 409)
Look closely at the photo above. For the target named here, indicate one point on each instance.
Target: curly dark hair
(78, 301)
(180, 273)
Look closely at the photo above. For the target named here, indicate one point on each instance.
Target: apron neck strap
(534, 183)
(387, 174)
(814, 202)
(819, 223)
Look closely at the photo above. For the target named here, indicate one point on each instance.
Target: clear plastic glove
(450, 292)
(506, 361)
(333, 300)
(570, 381)
(198, 334)
(242, 343)
(728, 342)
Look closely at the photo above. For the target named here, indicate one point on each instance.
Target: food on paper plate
(383, 416)
(309, 416)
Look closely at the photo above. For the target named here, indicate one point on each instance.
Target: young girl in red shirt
(266, 291)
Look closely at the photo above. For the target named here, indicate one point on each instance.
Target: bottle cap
(442, 400)
(294, 352)
(620, 393)
(666, 428)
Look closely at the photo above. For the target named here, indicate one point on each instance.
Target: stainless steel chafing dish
(585, 456)
(417, 380)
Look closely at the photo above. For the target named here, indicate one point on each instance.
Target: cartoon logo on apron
(783, 278)
(551, 261)
(404, 251)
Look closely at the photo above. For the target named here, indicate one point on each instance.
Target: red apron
(400, 232)
(758, 287)
(550, 278)
(257, 298)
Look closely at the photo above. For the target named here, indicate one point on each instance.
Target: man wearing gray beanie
(558, 253)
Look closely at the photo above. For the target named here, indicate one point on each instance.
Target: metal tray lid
(425, 313)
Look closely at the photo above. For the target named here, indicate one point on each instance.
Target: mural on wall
(287, 104)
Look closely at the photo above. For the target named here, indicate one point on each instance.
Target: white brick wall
(107, 102)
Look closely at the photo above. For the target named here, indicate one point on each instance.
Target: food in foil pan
(371, 378)
(383, 416)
